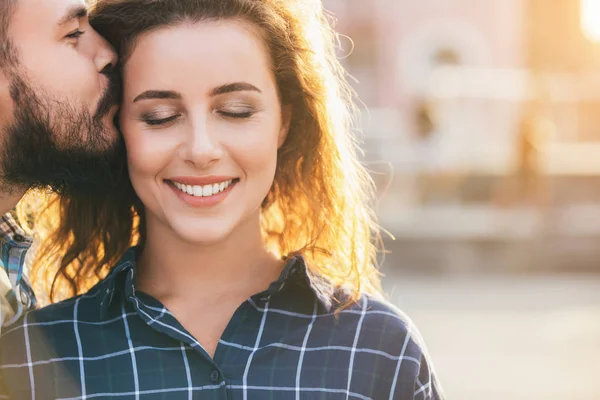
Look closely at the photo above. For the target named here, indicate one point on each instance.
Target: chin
(201, 234)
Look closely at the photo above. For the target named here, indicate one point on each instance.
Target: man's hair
(8, 54)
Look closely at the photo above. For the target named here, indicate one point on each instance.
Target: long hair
(320, 202)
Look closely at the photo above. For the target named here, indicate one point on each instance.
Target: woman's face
(202, 123)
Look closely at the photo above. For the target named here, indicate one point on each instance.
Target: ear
(286, 120)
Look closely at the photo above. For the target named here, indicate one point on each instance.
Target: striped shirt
(282, 343)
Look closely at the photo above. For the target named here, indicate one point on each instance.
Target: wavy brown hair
(320, 201)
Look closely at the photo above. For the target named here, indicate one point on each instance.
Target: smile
(203, 191)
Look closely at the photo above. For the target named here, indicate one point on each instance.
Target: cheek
(256, 150)
(259, 159)
(147, 153)
(65, 73)
(6, 103)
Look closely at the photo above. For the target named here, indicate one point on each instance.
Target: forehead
(206, 51)
(207, 40)
(40, 15)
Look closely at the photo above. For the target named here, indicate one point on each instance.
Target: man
(57, 104)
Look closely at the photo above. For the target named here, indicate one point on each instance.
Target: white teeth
(203, 191)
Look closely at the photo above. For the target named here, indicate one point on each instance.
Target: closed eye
(159, 121)
(75, 35)
(239, 115)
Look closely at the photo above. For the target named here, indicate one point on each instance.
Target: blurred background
(481, 126)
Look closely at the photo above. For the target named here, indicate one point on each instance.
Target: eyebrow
(234, 87)
(158, 94)
(172, 95)
(75, 12)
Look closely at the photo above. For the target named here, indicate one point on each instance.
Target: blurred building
(398, 44)
(557, 39)
(482, 131)
(468, 101)
(558, 44)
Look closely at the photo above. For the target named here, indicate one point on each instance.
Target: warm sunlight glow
(590, 19)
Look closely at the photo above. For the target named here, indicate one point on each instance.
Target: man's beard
(54, 144)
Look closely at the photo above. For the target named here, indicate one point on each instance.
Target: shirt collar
(295, 272)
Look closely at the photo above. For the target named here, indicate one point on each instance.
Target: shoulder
(377, 312)
(63, 310)
(383, 325)
(57, 326)
(49, 326)
(383, 330)
(41, 344)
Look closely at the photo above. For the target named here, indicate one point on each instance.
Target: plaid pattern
(283, 343)
(13, 248)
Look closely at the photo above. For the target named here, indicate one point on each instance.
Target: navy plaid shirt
(283, 343)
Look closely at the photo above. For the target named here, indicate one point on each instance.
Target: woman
(253, 274)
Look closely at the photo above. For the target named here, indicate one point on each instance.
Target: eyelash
(240, 115)
(75, 35)
(158, 122)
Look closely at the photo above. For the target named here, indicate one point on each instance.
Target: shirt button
(25, 299)
(214, 376)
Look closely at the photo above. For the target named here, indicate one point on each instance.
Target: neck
(9, 199)
(171, 267)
